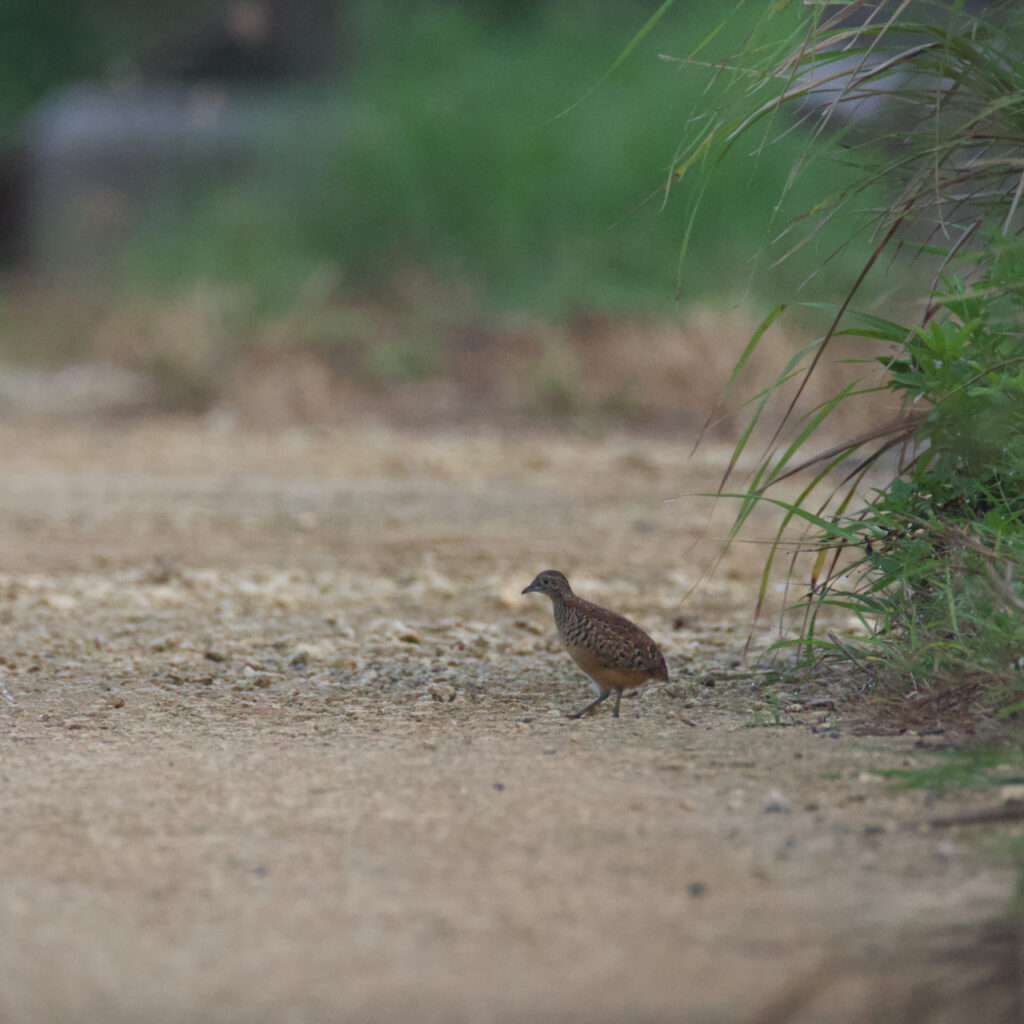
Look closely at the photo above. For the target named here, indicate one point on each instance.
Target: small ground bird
(613, 651)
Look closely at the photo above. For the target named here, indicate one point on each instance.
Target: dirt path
(281, 741)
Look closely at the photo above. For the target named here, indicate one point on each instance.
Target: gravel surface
(282, 741)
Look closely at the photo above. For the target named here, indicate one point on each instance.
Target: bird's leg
(618, 698)
(593, 704)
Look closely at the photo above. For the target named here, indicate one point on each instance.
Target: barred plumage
(613, 651)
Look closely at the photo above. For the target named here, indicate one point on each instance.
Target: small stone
(442, 692)
(1012, 793)
(777, 803)
(262, 681)
(215, 655)
(784, 849)
(116, 702)
(304, 654)
(201, 579)
(697, 889)
(528, 626)
(509, 594)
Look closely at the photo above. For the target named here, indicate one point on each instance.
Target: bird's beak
(532, 589)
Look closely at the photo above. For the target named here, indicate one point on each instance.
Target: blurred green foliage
(44, 46)
(444, 150)
(41, 46)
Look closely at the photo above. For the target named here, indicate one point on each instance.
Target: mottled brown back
(616, 641)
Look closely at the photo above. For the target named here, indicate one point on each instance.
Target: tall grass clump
(916, 527)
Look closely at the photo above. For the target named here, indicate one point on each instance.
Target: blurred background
(309, 211)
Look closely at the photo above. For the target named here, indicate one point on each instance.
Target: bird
(613, 651)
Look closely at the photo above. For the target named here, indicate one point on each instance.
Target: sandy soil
(282, 741)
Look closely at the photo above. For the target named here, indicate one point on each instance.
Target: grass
(445, 151)
(968, 768)
(914, 528)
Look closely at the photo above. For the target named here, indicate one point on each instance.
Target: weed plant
(915, 528)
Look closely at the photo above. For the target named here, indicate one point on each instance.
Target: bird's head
(550, 582)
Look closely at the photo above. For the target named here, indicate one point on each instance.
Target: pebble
(528, 626)
(777, 803)
(305, 653)
(510, 594)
